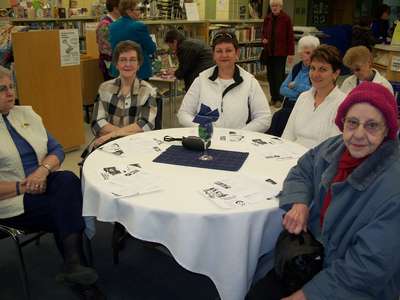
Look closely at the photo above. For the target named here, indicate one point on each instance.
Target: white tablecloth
(223, 244)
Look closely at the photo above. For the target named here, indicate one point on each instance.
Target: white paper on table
(113, 148)
(231, 137)
(128, 180)
(275, 149)
(145, 145)
(239, 191)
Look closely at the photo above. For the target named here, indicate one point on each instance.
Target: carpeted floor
(143, 273)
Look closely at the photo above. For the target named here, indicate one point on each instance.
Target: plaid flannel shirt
(112, 108)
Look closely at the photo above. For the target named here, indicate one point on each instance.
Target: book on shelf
(253, 67)
(247, 33)
(249, 53)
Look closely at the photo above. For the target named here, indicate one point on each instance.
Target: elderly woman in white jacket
(359, 60)
(312, 119)
(236, 94)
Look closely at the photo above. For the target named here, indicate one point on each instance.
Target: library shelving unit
(57, 23)
(248, 33)
(386, 59)
(195, 29)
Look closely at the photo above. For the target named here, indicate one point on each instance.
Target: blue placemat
(223, 160)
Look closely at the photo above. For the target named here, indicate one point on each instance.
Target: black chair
(88, 108)
(21, 238)
(158, 121)
(280, 118)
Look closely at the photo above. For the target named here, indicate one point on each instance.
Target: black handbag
(298, 258)
(264, 56)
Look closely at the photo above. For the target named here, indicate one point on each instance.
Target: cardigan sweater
(29, 125)
(284, 36)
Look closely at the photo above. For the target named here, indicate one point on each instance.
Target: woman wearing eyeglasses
(346, 192)
(313, 117)
(34, 195)
(129, 28)
(234, 92)
(126, 104)
(359, 61)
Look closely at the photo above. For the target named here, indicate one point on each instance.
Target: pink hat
(378, 96)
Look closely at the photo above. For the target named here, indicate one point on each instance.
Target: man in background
(193, 56)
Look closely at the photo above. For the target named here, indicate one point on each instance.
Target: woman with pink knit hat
(346, 192)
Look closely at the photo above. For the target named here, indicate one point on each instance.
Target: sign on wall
(69, 47)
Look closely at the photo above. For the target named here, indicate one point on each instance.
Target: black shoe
(78, 274)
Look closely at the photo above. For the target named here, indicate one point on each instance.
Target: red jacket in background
(284, 37)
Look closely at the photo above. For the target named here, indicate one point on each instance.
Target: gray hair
(4, 72)
(280, 2)
(308, 41)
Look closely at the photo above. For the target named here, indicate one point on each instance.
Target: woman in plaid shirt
(126, 104)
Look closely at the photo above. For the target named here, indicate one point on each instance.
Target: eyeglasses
(371, 127)
(223, 35)
(125, 61)
(4, 88)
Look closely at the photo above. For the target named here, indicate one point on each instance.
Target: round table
(223, 244)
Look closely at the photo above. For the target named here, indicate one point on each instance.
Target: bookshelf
(195, 29)
(248, 33)
(57, 23)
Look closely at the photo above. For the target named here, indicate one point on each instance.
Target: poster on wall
(69, 47)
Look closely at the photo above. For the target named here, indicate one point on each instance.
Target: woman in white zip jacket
(236, 94)
(359, 60)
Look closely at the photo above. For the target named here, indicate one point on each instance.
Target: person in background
(127, 104)
(102, 37)
(297, 81)
(312, 119)
(193, 56)
(33, 194)
(236, 94)
(359, 60)
(346, 193)
(361, 34)
(128, 28)
(380, 26)
(278, 41)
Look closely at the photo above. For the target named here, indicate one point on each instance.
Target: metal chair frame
(16, 235)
